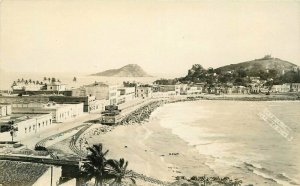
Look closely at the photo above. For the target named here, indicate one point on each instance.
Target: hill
(268, 69)
(265, 63)
(131, 70)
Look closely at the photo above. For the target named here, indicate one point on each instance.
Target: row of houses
(286, 87)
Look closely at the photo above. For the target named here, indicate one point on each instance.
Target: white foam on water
(227, 153)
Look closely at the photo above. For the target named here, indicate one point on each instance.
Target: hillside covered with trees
(272, 71)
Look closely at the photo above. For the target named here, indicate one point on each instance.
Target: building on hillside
(60, 112)
(295, 87)
(227, 90)
(183, 89)
(281, 88)
(254, 88)
(240, 90)
(5, 110)
(143, 92)
(99, 90)
(193, 90)
(255, 79)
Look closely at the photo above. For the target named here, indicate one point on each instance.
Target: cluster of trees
(51, 79)
(129, 84)
(134, 84)
(104, 170)
(166, 81)
(27, 82)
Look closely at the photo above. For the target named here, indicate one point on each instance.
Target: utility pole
(51, 175)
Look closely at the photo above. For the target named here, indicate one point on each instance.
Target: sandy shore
(148, 151)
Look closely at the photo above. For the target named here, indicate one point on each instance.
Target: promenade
(31, 141)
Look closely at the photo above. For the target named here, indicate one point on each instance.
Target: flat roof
(19, 117)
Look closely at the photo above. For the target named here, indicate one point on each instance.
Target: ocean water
(6, 79)
(237, 140)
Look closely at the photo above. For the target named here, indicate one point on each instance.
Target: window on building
(29, 129)
(40, 125)
(25, 130)
(50, 121)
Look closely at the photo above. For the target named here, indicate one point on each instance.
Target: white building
(295, 87)
(5, 110)
(56, 86)
(170, 88)
(281, 88)
(99, 90)
(194, 90)
(60, 112)
(26, 125)
(143, 92)
(125, 94)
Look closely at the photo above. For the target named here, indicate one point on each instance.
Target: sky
(163, 37)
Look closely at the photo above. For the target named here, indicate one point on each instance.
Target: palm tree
(94, 167)
(117, 170)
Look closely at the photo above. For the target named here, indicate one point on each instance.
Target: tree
(74, 79)
(53, 80)
(45, 78)
(14, 83)
(94, 167)
(117, 170)
(129, 84)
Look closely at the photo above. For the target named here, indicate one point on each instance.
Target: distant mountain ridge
(265, 63)
(130, 70)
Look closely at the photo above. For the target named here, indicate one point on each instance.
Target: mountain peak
(130, 70)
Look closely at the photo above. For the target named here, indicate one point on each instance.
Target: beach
(171, 144)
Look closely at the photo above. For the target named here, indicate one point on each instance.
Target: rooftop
(19, 117)
(20, 173)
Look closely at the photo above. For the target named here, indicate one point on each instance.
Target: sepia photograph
(149, 92)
